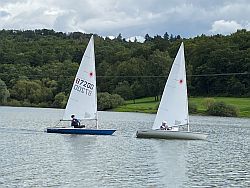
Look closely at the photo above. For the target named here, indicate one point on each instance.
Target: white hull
(162, 134)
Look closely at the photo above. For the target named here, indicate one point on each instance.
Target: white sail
(82, 101)
(173, 107)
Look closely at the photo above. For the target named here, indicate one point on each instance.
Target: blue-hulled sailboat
(82, 101)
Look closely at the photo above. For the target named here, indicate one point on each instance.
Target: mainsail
(82, 101)
(173, 107)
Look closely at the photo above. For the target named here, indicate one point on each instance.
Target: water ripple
(32, 158)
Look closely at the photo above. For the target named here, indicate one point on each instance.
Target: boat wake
(19, 130)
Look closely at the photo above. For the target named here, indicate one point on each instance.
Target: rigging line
(192, 75)
(138, 76)
(221, 74)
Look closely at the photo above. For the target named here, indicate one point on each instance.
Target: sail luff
(94, 76)
(95, 103)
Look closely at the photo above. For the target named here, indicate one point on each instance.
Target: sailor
(75, 122)
(163, 125)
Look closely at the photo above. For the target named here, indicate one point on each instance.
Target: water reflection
(171, 161)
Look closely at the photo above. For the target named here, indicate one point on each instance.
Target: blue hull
(80, 131)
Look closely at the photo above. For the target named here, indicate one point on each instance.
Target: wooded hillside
(38, 67)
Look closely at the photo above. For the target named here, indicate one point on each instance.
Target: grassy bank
(148, 105)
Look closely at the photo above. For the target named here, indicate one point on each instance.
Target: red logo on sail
(91, 74)
(180, 81)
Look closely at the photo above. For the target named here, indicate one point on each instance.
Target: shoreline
(149, 105)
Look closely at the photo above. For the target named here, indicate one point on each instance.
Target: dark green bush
(192, 108)
(117, 100)
(14, 102)
(107, 101)
(60, 100)
(222, 109)
(43, 104)
(208, 102)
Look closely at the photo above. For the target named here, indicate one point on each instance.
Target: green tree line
(37, 67)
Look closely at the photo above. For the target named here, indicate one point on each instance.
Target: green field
(148, 105)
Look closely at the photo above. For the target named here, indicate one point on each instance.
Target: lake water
(29, 157)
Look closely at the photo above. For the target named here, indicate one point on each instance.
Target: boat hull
(162, 134)
(67, 130)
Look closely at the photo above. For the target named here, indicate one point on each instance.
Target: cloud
(128, 17)
(4, 13)
(225, 27)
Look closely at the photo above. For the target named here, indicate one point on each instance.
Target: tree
(158, 65)
(159, 43)
(147, 38)
(4, 92)
(60, 100)
(137, 90)
(124, 90)
(107, 101)
(119, 37)
(49, 60)
(31, 91)
(166, 36)
(104, 101)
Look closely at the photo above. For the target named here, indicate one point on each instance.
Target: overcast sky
(187, 18)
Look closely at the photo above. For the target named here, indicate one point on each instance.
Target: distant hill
(37, 67)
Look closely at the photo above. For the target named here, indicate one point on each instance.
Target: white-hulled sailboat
(82, 101)
(173, 108)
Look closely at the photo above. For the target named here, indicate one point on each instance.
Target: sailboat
(173, 107)
(82, 102)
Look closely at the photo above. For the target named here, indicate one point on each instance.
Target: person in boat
(75, 122)
(164, 126)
